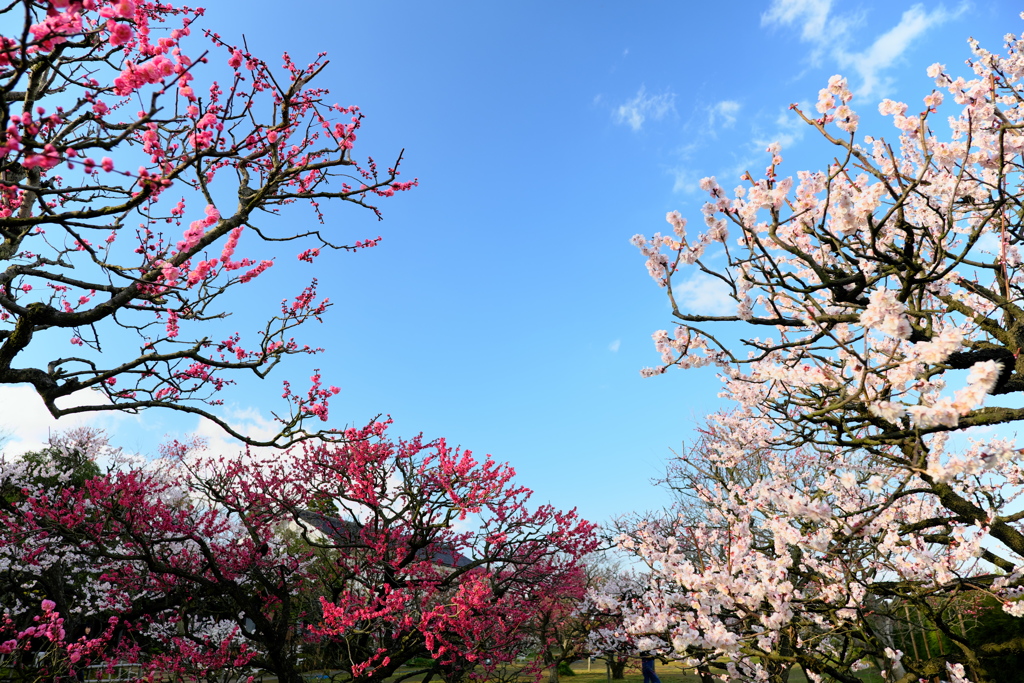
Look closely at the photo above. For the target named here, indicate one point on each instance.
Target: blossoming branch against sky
(504, 307)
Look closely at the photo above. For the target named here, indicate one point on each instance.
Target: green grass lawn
(672, 672)
(668, 673)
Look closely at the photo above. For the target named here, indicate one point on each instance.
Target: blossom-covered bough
(348, 558)
(859, 475)
(129, 180)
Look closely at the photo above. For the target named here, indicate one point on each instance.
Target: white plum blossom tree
(866, 480)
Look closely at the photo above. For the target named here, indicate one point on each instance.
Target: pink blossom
(826, 101)
(197, 229)
(204, 270)
(119, 33)
(249, 275)
(172, 324)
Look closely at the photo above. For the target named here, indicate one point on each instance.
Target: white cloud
(637, 110)
(686, 180)
(247, 421)
(825, 31)
(615, 345)
(704, 294)
(789, 130)
(811, 15)
(989, 244)
(26, 425)
(889, 46)
(724, 111)
(830, 33)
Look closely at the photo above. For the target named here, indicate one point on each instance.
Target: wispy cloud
(785, 128)
(27, 425)
(705, 295)
(687, 181)
(642, 107)
(615, 345)
(245, 420)
(889, 46)
(788, 130)
(830, 33)
(723, 113)
(810, 15)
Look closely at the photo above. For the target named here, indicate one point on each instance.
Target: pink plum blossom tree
(132, 186)
(354, 557)
(565, 621)
(867, 467)
(130, 189)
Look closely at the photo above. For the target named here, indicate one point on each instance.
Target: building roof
(344, 531)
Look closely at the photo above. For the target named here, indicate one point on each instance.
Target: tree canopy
(878, 332)
(111, 139)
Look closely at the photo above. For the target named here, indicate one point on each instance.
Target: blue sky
(505, 308)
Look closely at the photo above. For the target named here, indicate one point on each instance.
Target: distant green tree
(67, 461)
(976, 617)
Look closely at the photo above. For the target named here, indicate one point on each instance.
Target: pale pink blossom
(887, 410)
(886, 314)
(949, 340)
(889, 107)
(943, 412)
(846, 119)
(678, 224)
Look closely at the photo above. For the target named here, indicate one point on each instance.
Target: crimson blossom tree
(565, 621)
(354, 558)
(858, 477)
(110, 139)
